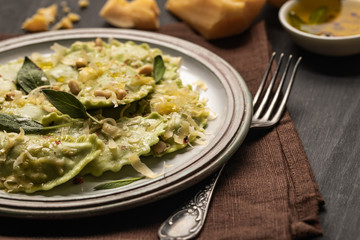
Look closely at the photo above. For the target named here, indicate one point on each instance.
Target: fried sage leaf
(117, 183)
(159, 68)
(66, 103)
(30, 76)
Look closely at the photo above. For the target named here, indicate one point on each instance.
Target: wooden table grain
(325, 106)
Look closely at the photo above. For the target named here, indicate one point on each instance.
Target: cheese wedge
(216, 18)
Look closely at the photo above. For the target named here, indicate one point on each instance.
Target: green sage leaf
(116, 184)
(159, 68)
(295, 20)
(318, 15)
(13, 123)
(298, 23)
(66, 103)
(30, 76)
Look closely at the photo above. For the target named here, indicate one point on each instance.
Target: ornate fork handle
(187, 221)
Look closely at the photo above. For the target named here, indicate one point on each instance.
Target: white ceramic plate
(228, 97)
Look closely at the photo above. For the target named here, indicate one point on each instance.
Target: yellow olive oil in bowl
(327, 27)
(326, 17)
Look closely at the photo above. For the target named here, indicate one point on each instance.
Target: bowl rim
(282, 14)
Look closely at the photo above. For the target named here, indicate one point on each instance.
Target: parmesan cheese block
(216, 18)
(140, 14)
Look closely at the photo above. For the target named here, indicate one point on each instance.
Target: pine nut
(102, 93)
(9, 96)
(98, 42)
(120, 94)
(81, 62)
(146, 70)
(74, 87)
(159, 147)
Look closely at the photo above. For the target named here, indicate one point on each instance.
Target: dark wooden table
(325, 106)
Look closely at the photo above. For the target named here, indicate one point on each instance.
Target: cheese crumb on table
(140, 14)
(83, 3)
(73, 17)
(65, 7)
(40, 21)
(67, 21)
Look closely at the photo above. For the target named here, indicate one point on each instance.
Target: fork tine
(268, 113)
(268, 91)
(280, 110)
(262, 84)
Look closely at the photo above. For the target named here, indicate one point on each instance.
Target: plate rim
(28, 209)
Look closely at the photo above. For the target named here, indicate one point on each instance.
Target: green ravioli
(136, 136)
(108, 68)
(187, 114)
(30, 163)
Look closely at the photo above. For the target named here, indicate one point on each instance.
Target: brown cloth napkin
(267, 190)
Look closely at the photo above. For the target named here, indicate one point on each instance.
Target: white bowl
(330, 46)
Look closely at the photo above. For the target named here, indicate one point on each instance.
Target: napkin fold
(267, 189)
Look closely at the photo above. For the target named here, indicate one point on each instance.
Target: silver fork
(187, 222)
